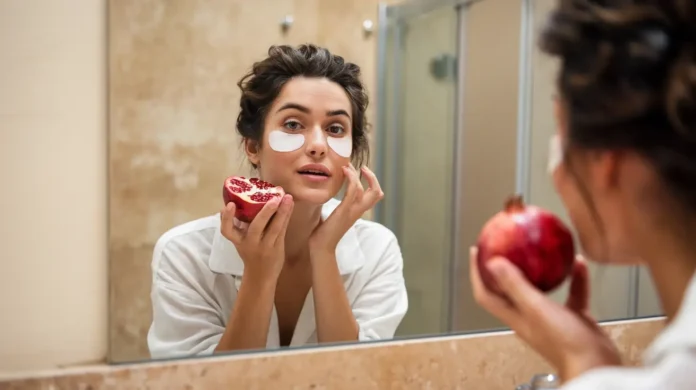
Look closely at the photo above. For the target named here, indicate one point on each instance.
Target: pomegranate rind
(241, 190)
(533, 239)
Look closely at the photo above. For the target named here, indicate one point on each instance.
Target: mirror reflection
(285, 264)
(357, 233)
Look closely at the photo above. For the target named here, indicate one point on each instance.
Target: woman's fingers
(353, 187)
(258, 225)
(243, 226)
(521, 293)
(374, 193)
(497, 305)
(280, 221)
(579, 293)
(227, 224)
(280, 240)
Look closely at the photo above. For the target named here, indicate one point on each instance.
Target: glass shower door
(416, 127)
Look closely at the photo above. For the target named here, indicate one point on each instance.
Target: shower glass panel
(416, 129)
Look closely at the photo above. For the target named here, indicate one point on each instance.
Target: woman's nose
(317, 143)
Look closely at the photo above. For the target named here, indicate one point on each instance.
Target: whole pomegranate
(249, 195)
(533, 239)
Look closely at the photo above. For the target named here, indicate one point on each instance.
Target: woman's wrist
(321, 254)
(261, 280)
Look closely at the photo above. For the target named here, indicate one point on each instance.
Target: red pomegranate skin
(246, 208)
(533, 239)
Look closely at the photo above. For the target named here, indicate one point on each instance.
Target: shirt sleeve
(383, 301)
(185, 318)
(674, 372)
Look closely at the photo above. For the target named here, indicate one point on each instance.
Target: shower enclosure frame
(399, 13)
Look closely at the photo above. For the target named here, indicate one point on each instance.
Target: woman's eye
(335, 129)
(292, 125)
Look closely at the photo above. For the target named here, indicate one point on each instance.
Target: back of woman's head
(628, 81)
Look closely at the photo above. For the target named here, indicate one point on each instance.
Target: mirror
(460, 100)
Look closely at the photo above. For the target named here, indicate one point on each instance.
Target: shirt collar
(679, 335)
(224, 258)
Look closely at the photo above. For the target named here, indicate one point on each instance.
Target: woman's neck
(672, 265)
(304, 219)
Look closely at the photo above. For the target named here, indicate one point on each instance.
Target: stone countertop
(486, 361)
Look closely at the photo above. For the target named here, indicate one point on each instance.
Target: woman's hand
(355, 203)
(566, 336)
(260, 244)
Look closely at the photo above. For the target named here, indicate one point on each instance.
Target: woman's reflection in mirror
(307, 269)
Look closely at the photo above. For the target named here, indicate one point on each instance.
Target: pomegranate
(249, 195)
(533, 239)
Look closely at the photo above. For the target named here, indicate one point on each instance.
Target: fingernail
(497, 268)
(287, 199)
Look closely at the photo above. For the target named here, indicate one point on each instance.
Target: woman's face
(598, 201)
(307, 139)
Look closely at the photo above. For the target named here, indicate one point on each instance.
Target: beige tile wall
(53, 271)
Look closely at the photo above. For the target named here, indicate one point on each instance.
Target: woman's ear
(252, 149)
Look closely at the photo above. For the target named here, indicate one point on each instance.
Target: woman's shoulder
(186, 244)
(374, 232)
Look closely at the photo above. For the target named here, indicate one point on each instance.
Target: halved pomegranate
(533, 239)
(249, 195)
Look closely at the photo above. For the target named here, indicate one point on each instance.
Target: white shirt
(670, 361)
(196, 274)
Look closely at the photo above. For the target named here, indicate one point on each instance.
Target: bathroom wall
(53, 282)
(173, 104)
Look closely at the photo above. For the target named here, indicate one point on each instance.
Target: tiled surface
(486, 362)
(173, 98)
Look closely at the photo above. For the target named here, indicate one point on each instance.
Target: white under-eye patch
(343, 146)
(555, 153)
(281, 141)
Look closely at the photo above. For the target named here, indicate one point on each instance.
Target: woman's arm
(375, 313)
(247, 327)
(334, 315)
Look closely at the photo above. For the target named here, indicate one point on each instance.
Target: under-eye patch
(281, 141)
(343, 146)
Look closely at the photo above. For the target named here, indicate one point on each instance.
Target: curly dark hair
(262, 85)
(628, 78)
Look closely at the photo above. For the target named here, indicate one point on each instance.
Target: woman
(626, 114)
(306, 269)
